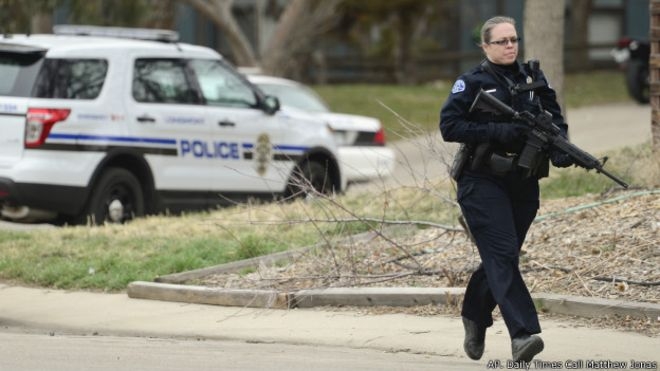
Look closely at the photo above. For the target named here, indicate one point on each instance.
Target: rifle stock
(543, 134)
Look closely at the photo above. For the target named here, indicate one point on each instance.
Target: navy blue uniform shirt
(457, 124)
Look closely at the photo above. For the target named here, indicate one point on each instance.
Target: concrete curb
(594, 307)
(373, 296)
(207, 295)
(172, 288)
(377, 296)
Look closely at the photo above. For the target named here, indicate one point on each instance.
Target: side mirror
(270, 104)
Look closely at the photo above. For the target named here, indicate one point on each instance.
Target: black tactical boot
(524, 348)
(474, 339)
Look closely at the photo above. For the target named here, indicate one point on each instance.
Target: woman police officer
(499, 203)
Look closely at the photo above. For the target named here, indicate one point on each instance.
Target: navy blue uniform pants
(499, 212)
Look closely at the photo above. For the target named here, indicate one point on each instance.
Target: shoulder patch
(458, 87)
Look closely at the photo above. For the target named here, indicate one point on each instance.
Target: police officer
(498, 199)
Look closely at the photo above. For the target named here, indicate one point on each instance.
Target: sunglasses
(512, 40)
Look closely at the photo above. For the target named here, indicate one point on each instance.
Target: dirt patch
(604, 246)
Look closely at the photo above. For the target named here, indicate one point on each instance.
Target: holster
(461, 158)
(500, 165)
(480, 156)
(487, 160)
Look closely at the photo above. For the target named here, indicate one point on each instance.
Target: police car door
(242, 134)
(167, 114)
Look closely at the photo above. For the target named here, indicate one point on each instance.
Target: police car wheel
(116, 198)
(308, 178)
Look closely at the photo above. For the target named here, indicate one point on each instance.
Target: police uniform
(498, 205)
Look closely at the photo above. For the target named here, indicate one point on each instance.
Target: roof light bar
(120, 32)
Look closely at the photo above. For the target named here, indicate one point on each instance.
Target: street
(22, 351)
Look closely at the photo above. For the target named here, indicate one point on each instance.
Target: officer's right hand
(507, 132)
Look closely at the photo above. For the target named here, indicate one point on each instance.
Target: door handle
(225, 123)
(145, 118)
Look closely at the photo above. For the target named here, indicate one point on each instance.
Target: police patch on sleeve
(458, 87)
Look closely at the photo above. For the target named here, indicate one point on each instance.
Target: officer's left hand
(560, 159)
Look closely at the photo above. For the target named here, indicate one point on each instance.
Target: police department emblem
(459, 86)
(264, 153)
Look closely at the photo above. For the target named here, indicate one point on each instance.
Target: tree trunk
(298, 27)
(580, 10)
(162, 14)
(403, 52)
(41, 22)
(544, 40)
(219, 12)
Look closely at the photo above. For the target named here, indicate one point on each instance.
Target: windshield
(295, 96)
(18, 73)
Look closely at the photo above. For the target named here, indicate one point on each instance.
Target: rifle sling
(513, 88)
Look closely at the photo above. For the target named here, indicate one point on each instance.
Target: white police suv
(107, 124)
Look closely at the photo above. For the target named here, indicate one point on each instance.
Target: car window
(220, 86)
(162, 81)
(70, 78)
(18, 72)
(299, 97)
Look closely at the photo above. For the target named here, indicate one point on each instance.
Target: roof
(65, 43)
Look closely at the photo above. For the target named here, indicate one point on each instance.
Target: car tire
(116, 198)
(308, 178)
(637, 81)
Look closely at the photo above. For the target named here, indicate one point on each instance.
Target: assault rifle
(543, 135)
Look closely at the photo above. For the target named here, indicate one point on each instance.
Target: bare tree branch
(219, 12)
(299, 25)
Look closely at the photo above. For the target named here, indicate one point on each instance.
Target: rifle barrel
(613, 177)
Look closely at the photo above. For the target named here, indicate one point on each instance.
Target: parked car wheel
(117, 197)
(308, 178)
(637, 80)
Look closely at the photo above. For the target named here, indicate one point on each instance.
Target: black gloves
(507, 132)
(560, 159)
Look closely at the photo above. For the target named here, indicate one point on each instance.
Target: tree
(28, 17)
(405, 21)
(220, 13)
(544, 39)
(580, 10)
(297, 28)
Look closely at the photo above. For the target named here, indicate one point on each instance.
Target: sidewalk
(117, 314)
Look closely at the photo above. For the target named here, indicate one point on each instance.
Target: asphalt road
(22, 351)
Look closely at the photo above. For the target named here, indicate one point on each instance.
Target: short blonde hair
(490, 24)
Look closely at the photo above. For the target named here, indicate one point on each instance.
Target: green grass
(600, 87)
(419, 105)
(108, 258)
